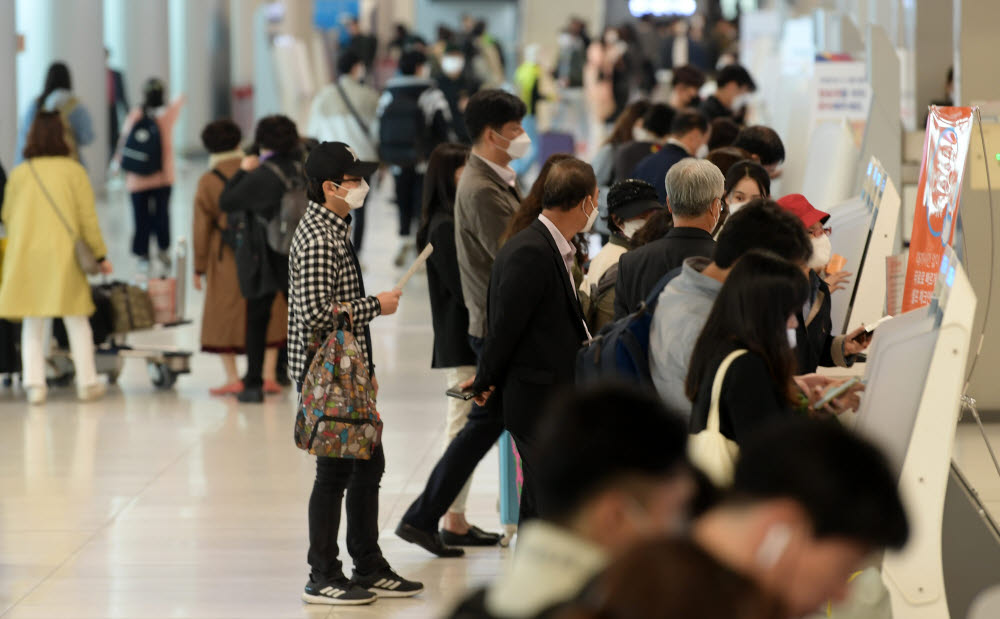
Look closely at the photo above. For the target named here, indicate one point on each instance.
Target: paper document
(421, 259)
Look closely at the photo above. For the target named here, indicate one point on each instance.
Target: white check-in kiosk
(865, 230)
(915, 376)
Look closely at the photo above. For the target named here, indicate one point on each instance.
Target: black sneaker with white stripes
(341, 592)
(386, 583)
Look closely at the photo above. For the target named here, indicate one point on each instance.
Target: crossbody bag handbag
(710, 450)
(85, 257)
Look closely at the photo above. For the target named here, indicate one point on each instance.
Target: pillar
(199, 67)
(71, 32)
(136, 34)
(8, 76)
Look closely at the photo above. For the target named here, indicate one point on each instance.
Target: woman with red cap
(817, 346)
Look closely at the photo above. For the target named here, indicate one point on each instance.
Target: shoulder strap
(350, 107)
(222, 177)
(720, 375)
(51, 202)
(277, 170)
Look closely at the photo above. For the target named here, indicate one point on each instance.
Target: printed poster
(946, 147)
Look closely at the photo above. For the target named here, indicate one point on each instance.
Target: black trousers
(258, 317)
(481, 432)
(151, 209)
(409, 190)
(360, 479)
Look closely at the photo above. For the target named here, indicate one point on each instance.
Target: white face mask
(741, 101)
(565, 40)
(735, 206)
(632, 226)
(452, 65)
(519, 146)
(822, 252)
(702, 151)
(591, 218)
(355, 197)
(792, 340)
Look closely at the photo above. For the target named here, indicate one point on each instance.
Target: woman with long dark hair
(150, 192)
(746, 180)
(57, 96)
(755, 313)
(452, 350)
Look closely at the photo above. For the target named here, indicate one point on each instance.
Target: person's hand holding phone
(483, 397)
(816, 387)
(857, 341)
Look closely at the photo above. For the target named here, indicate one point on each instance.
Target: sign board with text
(946, 148)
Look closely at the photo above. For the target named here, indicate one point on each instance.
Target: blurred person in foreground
(597, 507)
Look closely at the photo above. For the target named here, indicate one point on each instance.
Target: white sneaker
(36, 395)
(89, 393)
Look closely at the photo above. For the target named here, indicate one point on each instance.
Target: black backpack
(234, 233)
(142, 153)
(403, 130)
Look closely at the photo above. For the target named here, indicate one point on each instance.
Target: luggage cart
(164, 363)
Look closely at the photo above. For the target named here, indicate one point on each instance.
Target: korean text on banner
(946, 148)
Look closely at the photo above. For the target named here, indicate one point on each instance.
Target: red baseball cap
(796, 204)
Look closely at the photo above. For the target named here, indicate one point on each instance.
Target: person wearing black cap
(630, 204)
(323, 271)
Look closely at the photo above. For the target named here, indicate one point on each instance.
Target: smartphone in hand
(460, 394)
(835, 392)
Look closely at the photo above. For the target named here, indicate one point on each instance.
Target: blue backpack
(142, 152)
(621, 350)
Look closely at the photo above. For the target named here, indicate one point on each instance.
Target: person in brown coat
(223, 325)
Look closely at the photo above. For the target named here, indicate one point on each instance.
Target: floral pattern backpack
(337, 417)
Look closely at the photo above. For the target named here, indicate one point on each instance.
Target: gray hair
(692, 186)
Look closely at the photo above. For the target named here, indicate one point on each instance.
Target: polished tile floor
(156, 504)
(177, 504)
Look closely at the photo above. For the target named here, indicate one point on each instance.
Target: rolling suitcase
(511, 481)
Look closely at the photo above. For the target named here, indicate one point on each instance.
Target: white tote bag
(709, 449)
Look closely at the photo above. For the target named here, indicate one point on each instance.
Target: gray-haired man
(694, 196)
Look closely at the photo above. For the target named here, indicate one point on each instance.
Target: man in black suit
(695, 188)
(534, 321)
(689, 132)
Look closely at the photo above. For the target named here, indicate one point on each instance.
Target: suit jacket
(653, 169)
(640, 269)
(535, 327)
(484, 204)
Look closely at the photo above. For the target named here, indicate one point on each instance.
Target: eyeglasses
(822, 231)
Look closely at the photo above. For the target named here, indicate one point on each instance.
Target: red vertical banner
(946, 148)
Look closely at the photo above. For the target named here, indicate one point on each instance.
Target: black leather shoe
(475, 537)
(252, 395)
(429, 541)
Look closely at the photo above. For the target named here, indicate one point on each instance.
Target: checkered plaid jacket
(322, 270)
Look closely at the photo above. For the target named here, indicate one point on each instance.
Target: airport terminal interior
(154, 496)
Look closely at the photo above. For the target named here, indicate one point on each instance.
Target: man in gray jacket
(486, 198)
